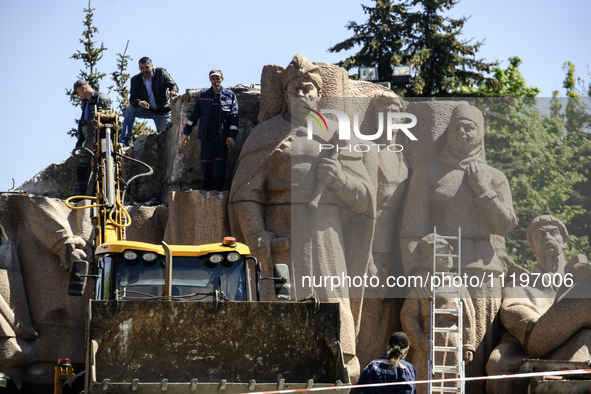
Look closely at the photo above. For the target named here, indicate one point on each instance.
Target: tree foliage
(416, 33)
(90, 56)
(541, 146)
(120, 78)
(381, 37)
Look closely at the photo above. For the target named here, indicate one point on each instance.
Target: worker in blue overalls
(216, 109)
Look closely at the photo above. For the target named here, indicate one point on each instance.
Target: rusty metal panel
(235, 341)
(571, 384)
(563, 387)
(536, 365)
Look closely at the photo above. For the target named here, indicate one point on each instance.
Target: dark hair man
(149, 98)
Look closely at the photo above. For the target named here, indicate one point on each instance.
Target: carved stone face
(548, 242)
(302, 89)
(464, 136)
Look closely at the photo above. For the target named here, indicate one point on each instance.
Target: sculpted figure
(416, 318)
(279, 174)
(38, 245)
(16, 331)
(535, 316)
(458, 189)
(392, 180)
(381, 314)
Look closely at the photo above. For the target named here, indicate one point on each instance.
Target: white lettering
(400, 126)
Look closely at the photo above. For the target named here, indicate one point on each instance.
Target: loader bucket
(567, 384)
(214, 347)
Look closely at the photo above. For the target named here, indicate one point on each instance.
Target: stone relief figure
(392, 178)
(36, 314)
(269, 204)
(16, 330)
(540, 318)
(416, 318)
(458, 189)
(381, 315)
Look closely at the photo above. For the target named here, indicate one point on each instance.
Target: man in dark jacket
(216, 109)
(92, 101)
(149, 98)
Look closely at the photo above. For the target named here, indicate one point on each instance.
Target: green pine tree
(120, 78)
(90, 56)
(381, 38)
(415, 32)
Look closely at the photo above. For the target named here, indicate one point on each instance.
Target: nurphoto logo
(391, 121)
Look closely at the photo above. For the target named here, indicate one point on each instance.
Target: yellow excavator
(182, 319)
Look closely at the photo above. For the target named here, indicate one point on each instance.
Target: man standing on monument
(216, 109)
(148, 98)
(92, 101)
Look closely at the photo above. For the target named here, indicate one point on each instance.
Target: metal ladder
(448, 293)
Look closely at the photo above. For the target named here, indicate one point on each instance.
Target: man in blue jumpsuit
(216, 109)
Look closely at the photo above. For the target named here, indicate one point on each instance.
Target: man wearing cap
(92, 101)
(216, 109)
(149, 98)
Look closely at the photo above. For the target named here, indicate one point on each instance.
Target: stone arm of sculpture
(252, 227)
(49, 225)
(469, 323)
(412, 323)
(349, 189)
(562, 320)
(493, 197)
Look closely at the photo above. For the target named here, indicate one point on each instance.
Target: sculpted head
(443, 264)
(301, 79)
(465, 133)
(547, 237)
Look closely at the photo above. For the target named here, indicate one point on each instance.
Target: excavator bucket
(209, 347)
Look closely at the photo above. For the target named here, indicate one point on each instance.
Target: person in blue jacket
(92, 101)
(216, 109)
(390, 368)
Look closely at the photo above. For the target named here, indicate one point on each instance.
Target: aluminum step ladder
(452, 295)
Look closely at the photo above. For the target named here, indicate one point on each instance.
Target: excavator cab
(135, 271)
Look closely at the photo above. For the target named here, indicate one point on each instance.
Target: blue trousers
(132, 112)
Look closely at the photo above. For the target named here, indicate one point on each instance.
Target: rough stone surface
(57, 180)
(40, 236)
(197, 218)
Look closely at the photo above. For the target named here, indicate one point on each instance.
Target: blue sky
(190, 37)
